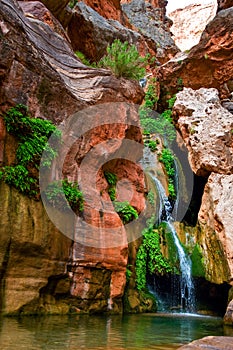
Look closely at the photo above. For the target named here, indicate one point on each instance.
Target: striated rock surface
(59, 9)
(206, 128)
(208, 64)
(215, 343)
(43, 271)
(37, 10)
(152, 23)
(190, 22)
(29, 44)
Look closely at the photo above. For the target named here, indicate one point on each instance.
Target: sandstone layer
(44, 271)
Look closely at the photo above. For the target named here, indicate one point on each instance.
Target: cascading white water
(187, 297)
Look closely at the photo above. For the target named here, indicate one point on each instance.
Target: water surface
(133, 332)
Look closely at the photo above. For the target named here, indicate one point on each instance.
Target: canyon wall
(42, 270)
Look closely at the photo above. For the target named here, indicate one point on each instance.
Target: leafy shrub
(151, 197)
(83, 59)
(124, 60)
(151, 144)
(18, 176)
(167, 158)
(72, 3)
(126, 212)
(32, 134)
(111, 180)
(55, 191)
(149, 257)
(159, 125)
(151, 96)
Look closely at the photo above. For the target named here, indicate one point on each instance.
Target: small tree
(124, 60)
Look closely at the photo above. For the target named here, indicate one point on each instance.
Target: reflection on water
(147, 331)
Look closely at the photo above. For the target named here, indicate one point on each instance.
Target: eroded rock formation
(206, 128)
(190, 22)
(208, 64)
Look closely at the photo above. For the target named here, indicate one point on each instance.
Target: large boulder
(208, 64)
(189, 23)
(215, 343)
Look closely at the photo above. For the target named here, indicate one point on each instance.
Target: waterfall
(187, 297)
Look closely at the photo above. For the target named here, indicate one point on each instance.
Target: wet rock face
(152, 23)
(206, 128)
(218, 343)
(190, 22)
(208, 64)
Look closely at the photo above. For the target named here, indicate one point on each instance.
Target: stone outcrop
(152, 23)
(28, 44)
(91, 33)
(208, 64)
(43, 271)
(217, 343)
(206, 128)
(189, 23)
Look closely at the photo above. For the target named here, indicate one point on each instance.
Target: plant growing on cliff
(126, 212)
(124, 60)
(32, 135)
(149, 257)
(55, 191)
(111, 180)
(167, 158)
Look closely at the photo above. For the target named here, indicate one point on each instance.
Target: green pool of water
(136, 332)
